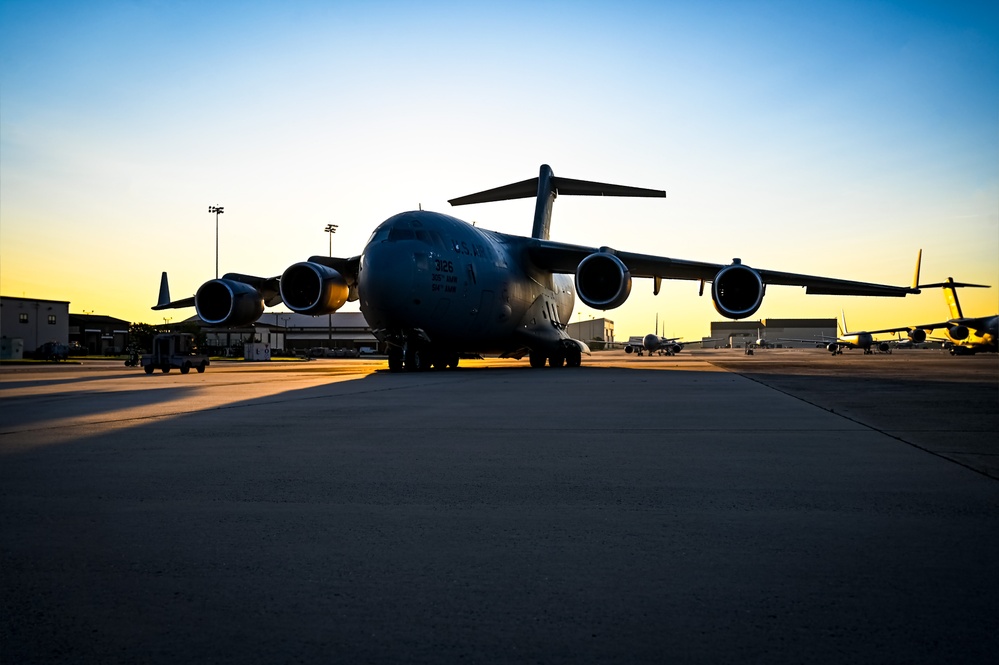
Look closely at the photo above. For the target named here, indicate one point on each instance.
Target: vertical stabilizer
(543, 206)
(950, 295)
(915, 278)
(843, 329)
(164, 298)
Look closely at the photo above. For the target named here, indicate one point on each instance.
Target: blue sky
(832, 138)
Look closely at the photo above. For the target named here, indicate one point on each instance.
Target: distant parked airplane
(966, 334)
(853, 340)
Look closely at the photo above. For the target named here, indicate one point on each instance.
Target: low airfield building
(27, 323)
(342, 333)
(733, 334)
(98, 334)
(592, 331)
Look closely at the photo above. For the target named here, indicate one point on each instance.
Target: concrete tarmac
(784, 507)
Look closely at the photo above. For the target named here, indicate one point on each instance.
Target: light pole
(218, 210)
(330, 229)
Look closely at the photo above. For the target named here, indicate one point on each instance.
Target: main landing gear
(570, 357)
(419, 358)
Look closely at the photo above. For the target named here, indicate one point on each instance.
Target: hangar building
(737, 333)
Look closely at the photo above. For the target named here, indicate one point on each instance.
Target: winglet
(163, 302)
(164, 298)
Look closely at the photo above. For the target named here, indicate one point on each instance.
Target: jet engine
(737, 291)
(884, 347)
(314, 289)
(832, 347)
(226, 302)
(603, 281)
(958, 332)
(918, 336)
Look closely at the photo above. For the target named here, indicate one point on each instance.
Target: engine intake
(958, 332)
(314, 289)
(737, 291)
(226, 302)
(603, 281)
(918, 336)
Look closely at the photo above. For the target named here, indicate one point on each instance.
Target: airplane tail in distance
(950, 288)
(915, 278)
(950, 295)
(843, 329)
(164, 298)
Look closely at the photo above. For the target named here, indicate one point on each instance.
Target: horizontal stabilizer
(566, 186)
(952, 285)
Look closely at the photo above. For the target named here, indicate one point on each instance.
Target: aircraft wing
(564, 258)
(927, 326)
(267, 287)
(820, 340)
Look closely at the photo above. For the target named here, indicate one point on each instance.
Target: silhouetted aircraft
(653, 343)
(965, 334)
(434, 288)
(853, 340)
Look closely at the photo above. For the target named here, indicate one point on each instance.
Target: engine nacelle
(226, 302)
(917, 336)
(603, 281)
(958, 332)
(314, 289)
(737, 291)
(884, 347)
(832, 347)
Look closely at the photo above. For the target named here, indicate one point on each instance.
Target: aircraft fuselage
(432, 278)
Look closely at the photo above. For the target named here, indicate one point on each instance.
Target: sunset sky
(833, 138)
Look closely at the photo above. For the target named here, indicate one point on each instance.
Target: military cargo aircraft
(435, 289)
(966, 335)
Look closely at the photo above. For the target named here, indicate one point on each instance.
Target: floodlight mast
(218, 210)
(330, 229)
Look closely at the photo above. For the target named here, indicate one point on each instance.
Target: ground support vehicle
(174, 351)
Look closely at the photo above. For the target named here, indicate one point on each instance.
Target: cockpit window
(380, 235)
(397, 234)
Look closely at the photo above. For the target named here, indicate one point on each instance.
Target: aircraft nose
(386, 278)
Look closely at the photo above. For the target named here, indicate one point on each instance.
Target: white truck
(174, 351)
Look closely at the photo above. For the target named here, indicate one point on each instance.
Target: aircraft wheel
(417, 359)
(149, 369)
(201, 368)
(395, 359)
(573, 358)
(556, 359)
(537, 359)
(185, 368)
(165, 369)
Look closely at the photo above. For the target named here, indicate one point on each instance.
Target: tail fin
(546, 187)
(164, 298)
(915, 278)
(950, 295)
(950, 288)
(843, 329)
